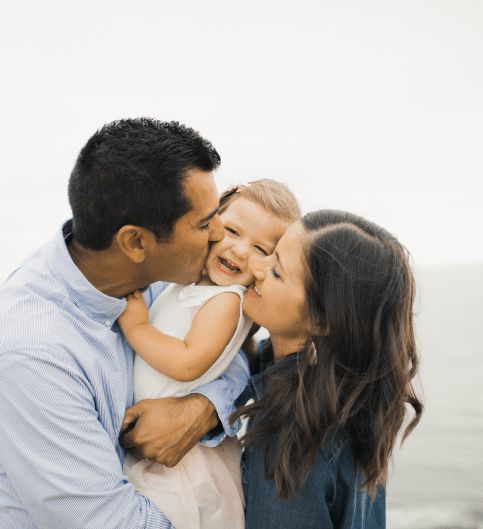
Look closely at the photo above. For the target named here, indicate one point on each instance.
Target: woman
(336, 297)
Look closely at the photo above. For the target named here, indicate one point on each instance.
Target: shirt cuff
(222, 393)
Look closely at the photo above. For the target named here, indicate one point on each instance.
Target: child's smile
(227, 266)
(251, 232)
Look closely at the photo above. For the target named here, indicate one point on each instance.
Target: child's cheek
(248, 279)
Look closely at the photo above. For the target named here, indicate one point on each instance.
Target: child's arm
(188, 359)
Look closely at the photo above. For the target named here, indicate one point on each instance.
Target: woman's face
(276, 300)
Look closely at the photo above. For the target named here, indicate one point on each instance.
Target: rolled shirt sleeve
(58, 457)
(222, 393)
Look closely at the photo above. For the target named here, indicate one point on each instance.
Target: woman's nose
(258, 266)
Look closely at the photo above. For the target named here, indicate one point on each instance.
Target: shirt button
(107, 323)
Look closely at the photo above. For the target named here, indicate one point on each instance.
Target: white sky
(372, 107)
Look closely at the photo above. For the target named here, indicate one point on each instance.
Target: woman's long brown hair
(356, 382)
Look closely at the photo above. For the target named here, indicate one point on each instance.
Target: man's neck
(106, 270)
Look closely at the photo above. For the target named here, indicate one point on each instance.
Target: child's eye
(274, 273)
(205, 227)
(261, 250)
(233, 232)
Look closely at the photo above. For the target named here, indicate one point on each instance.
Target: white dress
(203, 491)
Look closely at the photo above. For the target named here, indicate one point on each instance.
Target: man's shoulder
(153, 291)
(29, 305)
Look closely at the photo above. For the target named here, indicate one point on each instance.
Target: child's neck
(205, 280)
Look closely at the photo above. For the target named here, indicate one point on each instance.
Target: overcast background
(372, 107)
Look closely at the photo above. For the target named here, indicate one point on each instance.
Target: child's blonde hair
(270, 194)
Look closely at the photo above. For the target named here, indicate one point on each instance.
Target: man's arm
(166, 429)
(59, 458)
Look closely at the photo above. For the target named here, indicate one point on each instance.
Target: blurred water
(437, 481)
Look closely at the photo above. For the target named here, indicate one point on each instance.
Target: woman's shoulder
(337, 453)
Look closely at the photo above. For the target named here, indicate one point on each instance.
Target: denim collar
(256, 383)
(99, 307)
(335, 441)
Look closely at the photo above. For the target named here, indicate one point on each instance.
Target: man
(144, 207)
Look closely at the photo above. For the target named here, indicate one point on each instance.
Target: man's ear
(134, 242)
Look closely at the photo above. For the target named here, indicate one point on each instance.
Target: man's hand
(166, 429)
(136, 312)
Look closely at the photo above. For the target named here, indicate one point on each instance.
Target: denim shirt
(329, 497)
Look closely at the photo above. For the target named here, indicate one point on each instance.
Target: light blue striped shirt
(66, 377)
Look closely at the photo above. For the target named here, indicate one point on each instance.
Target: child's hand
(136, 312)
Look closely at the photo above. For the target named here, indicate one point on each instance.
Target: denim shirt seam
(338, 450)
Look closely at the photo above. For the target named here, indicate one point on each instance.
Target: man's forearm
(166, 429)
(206, 412)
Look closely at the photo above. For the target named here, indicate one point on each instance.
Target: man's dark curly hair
(132, 171)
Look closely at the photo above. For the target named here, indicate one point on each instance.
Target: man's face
(183, 257)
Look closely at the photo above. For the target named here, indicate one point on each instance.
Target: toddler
(188, 338)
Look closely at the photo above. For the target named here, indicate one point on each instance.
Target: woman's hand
(135, 314)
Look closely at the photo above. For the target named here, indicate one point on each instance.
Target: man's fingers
(136, 454)
(166, 429)
(170, 463)
(126, 440)
(131, 415)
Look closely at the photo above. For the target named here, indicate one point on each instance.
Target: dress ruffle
(192, 296)
(203, 491)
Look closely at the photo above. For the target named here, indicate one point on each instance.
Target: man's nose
(217, 231)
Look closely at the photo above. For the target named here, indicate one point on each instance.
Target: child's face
(251, 233)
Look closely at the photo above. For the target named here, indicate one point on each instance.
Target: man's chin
(198, 277)
(190, 279)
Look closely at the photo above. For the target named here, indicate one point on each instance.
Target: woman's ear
(321, 332)
(133, 241)
(321, 328)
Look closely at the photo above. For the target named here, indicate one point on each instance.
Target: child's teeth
(228, 269)
(256, 290)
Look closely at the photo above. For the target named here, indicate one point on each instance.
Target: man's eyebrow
(278, 261)
(208, 217)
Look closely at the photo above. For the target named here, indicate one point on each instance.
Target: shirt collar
(98, 306)
(256, 382)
